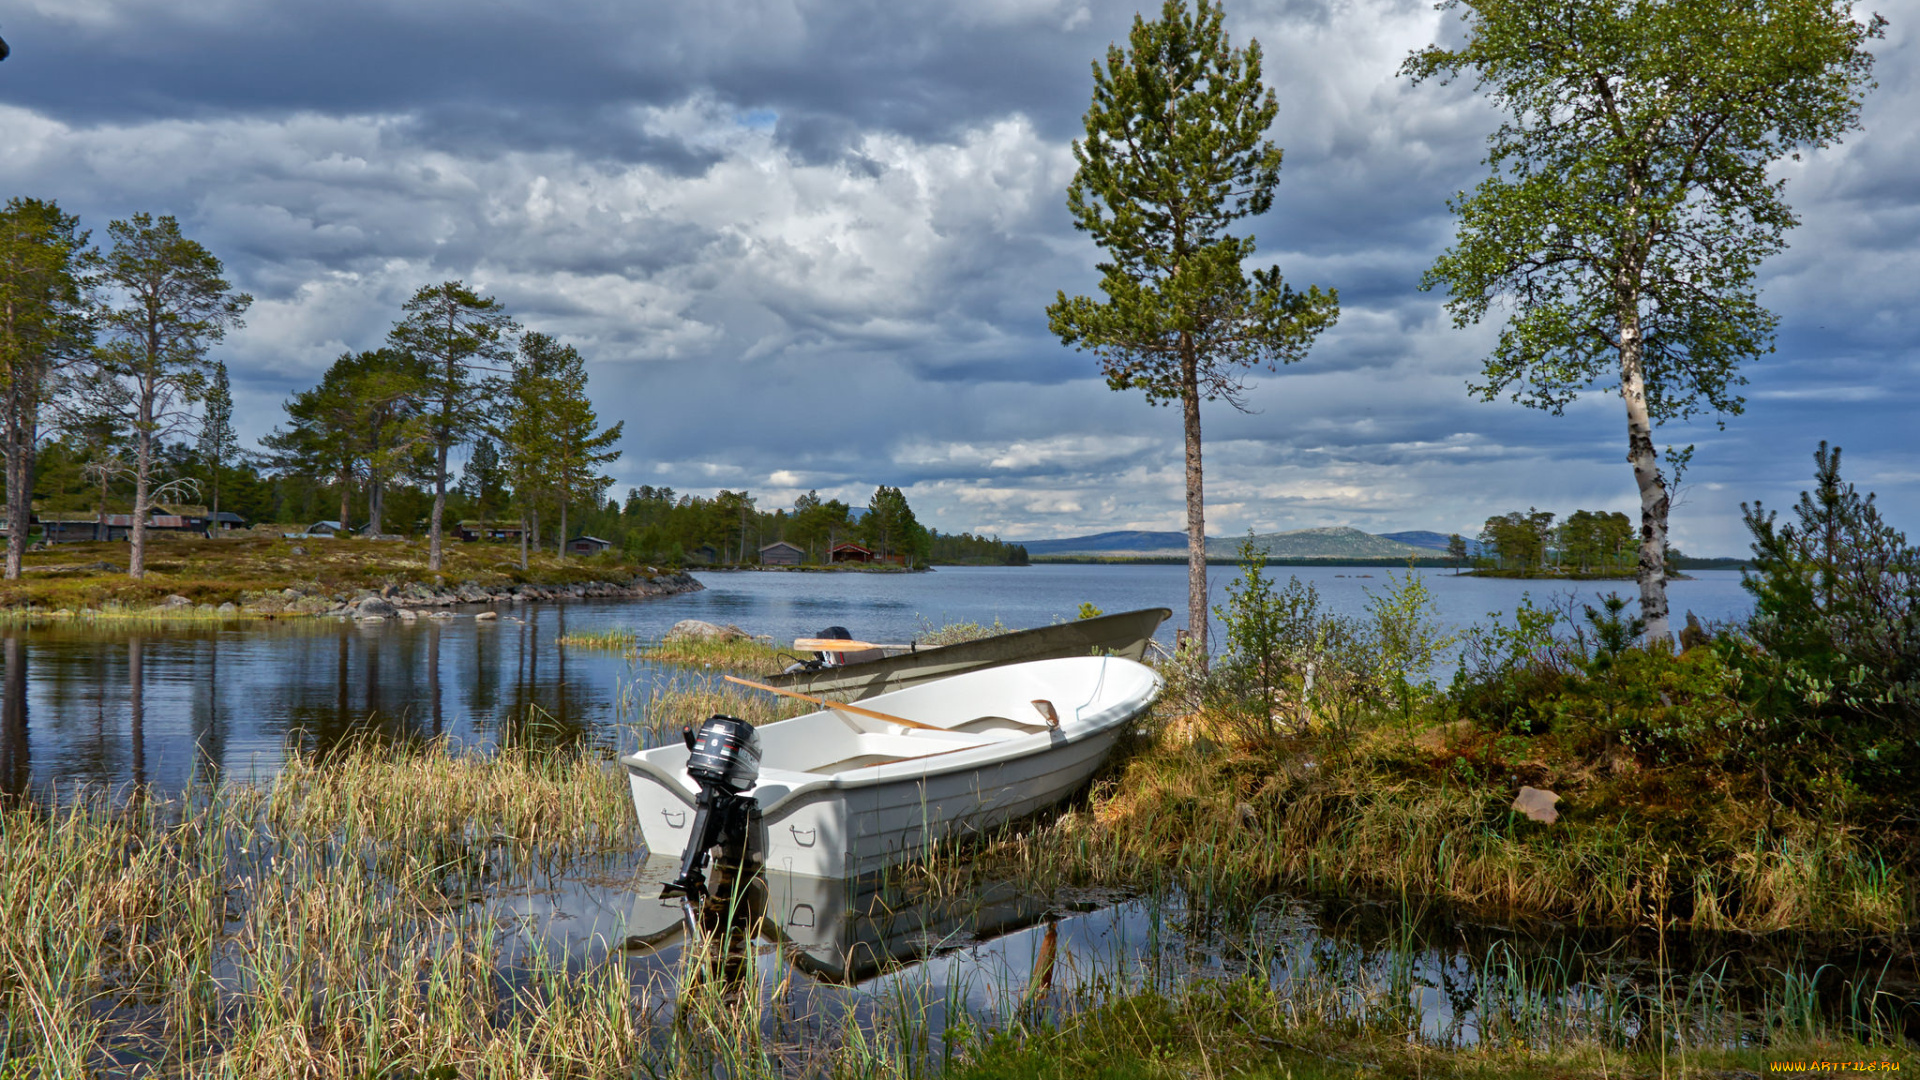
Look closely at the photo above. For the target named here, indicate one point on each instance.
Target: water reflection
(826, 951)
(120, 705)
(16, 756)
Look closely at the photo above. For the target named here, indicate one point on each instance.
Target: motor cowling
(725, 754)
(724, 760)
(833, 659)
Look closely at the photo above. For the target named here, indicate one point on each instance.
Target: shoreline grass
(604, 640)
(327, 925)
(735, 654)
(1391, 817)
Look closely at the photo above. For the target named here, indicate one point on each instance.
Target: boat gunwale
(922, 665)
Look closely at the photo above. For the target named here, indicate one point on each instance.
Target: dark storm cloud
(924, 70)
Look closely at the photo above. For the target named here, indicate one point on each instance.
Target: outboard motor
(725, 762)
(833, 659)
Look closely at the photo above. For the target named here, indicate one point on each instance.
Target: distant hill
(1338, 542)
(1328, 543)
(1109, 543)
(1426, 538)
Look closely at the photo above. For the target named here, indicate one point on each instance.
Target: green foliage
(890, 529)
(1614, 632)
(1629, 202)
(44, 325)
(484, 480)
(966, 549)
(1593, 540)
(462, 341)
(1837, 626)
(365, 420)
(1587, 542)
(167, 306)
(218, 445)
(551, 437)
(1518, 541)
(1290, 664)
(1407, 639)
(1631, 174)
(1088, 611)
(1813, 704)
(1176, 151)
(1503, 664)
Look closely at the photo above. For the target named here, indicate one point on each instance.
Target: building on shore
(587, 545)
(781, 553)
(471, 530)
(850, 553)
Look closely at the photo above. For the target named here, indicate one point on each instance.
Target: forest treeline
(111, 403)
(1586, 542)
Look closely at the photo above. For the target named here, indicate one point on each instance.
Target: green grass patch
(252, 566)
(736, 654)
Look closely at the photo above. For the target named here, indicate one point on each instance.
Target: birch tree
(44, 258)
(1176, 152)
(168, 304)
(1629, 203)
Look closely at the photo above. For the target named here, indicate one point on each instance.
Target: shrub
(1836, 629)
(1290, 665)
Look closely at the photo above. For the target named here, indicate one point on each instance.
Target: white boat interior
(841, 791)
(986, 710)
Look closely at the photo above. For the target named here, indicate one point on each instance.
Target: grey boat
(1125, 634)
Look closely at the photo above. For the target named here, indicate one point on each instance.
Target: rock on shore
(401, 600)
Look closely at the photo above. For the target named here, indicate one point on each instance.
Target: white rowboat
(842, 794)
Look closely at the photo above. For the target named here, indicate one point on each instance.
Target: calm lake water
(174, 706)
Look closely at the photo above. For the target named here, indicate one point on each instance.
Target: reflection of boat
(1125, 634)
(848, 930)
(841, 793)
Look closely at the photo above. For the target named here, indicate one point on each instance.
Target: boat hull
(866, 819)
(1125, 634)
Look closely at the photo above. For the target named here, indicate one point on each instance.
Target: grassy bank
(256, 571)
(1431, 815)
(330, 925)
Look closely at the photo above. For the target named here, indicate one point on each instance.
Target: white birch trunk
(1652, 571)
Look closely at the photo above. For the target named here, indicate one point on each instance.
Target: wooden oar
(828, 644)
(837, 706)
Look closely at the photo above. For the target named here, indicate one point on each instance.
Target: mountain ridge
(1326, 542)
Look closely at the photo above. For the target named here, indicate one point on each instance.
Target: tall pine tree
(1176, 152)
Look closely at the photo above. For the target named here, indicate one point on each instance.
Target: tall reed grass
(331, 924)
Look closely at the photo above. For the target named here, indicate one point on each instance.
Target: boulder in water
(696, 630)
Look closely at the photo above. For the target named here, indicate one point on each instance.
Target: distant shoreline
(1437, 562)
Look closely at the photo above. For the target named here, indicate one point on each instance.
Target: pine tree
(44, 259)
(1176, 151)
(462, 340)
(169, 305)
(217, 441)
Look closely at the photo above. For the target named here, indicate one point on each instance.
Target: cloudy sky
(809, 244)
